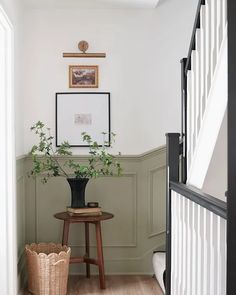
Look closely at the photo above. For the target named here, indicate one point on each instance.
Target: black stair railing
(185, 67)
(177, 154)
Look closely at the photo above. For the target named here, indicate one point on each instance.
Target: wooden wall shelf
(85, 55)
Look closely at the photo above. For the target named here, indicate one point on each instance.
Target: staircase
(206, 79)
(196, 222)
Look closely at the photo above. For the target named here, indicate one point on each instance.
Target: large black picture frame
(78, 112)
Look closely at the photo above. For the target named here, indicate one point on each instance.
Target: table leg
(100, 255)
(87, 248)
(65, 234)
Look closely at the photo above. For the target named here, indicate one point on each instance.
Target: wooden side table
(96, 220)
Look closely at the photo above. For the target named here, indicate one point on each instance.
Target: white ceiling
(92, 3)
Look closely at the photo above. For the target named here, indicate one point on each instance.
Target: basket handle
(59, 261)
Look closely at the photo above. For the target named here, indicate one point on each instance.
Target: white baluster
(193, 250)
(205, 253)
(224, 8)
(189, 118)
(201, 271)
(193, 97)
(213, 36)
(185, 247)
(174, 237)
(213, 265)
(181, 262)
(172, 240)
(222, 266)
(208, 253)
(198, 249)
(180, 237)
(208, 46)
(215, 252)
(195, 230)
(177, 244)
(219, 24)
(198, 82)
(218, 257)
(203, 59)
(189, 245)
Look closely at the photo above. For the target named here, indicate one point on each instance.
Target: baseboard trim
(115, 274)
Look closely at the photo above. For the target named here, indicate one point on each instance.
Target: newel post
(172, 174)
(184, 120)
(231, 199)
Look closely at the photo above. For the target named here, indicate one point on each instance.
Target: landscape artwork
(83, 76)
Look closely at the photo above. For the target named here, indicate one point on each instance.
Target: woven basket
(48, 266)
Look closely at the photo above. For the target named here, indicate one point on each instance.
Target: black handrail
(193, 38)
(172, 174)
(212, 204)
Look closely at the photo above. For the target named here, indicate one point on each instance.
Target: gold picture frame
(83, 76)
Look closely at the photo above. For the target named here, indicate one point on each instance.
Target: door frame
(8, 236)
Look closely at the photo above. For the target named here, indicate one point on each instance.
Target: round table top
(78, 218)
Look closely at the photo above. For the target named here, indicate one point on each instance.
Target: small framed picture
(83, 76)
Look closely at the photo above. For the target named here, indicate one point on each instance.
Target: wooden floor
(115, 285)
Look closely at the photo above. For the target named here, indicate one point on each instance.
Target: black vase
(78, 186)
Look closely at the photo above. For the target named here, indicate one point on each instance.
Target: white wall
(141, 70)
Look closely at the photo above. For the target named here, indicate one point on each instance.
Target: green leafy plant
(46, 158)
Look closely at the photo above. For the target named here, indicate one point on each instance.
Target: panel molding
(129, 251)
(151, 172)
(118, 244)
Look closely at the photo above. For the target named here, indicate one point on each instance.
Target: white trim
(8, 271)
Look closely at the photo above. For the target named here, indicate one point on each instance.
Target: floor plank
(115, 285)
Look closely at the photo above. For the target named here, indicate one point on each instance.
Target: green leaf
(100, 162)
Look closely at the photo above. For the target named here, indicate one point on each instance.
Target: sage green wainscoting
(137, 200)
(21, 218)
